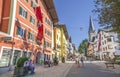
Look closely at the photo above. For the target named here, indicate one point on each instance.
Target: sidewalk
(56, 71)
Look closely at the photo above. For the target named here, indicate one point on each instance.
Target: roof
(91, 26)
(106, 29)
(89, 42)
(65, 30)
(51, 9)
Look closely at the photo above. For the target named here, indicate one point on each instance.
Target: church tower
(92, 34)
(91, 31)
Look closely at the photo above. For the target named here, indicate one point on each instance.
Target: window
(105, 41)
(51, 23)
(21, 32)
(17, 55)
(48, 33)
(26, 0)
(48, 22)
(110, 46)
(36, 1)
(5, 57)
(32, 20)
(29, 55)
(47, 44)
(106, 48)
(45, 31)
(57, 36)
(32, 4)
(102, 43)
(102, 38)
(109, 40)
(30, 36)
(58, 46)
(22, 12)
(24, 53)
(103, 49)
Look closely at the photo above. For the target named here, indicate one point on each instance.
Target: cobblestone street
(70, 69)
(94, 69)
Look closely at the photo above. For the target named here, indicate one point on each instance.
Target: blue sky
(76, 14)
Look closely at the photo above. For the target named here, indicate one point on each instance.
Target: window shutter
(30, 18)
(28, 35)
(20, 10)
(24, 33)
(33, 37)
(25, 14)
(18, 30)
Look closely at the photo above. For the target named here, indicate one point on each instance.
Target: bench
(110, 64)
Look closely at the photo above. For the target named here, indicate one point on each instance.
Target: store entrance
(38, 56)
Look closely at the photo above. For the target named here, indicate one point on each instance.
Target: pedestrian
(55, 60)
(76, 60)
(31, 67)
(82, 60)
(26, 66)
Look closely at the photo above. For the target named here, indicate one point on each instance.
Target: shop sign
(6, 38)
(10, 42)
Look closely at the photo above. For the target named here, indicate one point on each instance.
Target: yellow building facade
(64, 36)
(57, 41)
(60, 41)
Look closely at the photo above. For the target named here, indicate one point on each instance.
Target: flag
(38, 13)
(40, 33)
(39, 23)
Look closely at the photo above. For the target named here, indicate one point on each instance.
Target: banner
(38, 14)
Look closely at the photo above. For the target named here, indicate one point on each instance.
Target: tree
(108, 13)
(83, 46)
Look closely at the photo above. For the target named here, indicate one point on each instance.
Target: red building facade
(19, 29)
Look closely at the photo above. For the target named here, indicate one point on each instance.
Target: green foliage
(108, 13)
(83, 46)
(21, 61)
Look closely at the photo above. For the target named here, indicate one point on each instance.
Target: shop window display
(5, 57)
(29, 55)
(17, 55)
(24, 53)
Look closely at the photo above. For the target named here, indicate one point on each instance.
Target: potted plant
(63, 59)
(19, 69)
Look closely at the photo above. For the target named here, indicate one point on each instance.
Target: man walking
(82, 60)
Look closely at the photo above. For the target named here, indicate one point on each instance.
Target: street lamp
(81, 28)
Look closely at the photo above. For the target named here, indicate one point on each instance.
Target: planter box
(18, 72)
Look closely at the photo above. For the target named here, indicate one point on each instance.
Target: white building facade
(107, 44)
